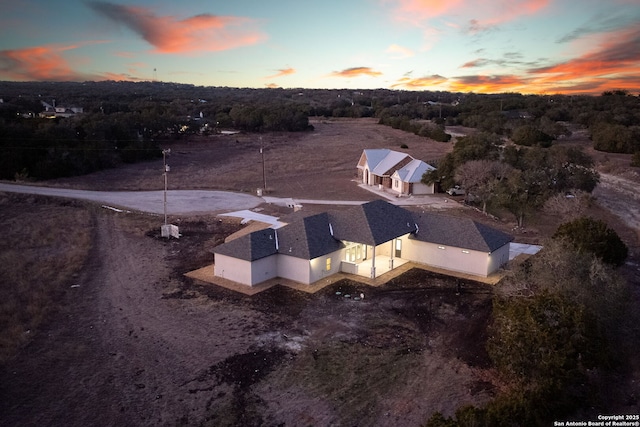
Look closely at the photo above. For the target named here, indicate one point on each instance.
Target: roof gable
(372, 223)
(308, 238)
(371, 157)
(413, 171)
(250, 247)
(388, 164)
(459, 232)
(382, 161)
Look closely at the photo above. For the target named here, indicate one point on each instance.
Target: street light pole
(166, 170)
(264, 172)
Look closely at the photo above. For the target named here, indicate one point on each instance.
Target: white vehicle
(455, 191)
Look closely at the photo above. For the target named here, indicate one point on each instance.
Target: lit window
(328, 264)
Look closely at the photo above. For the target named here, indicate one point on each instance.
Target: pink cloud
(283, 72)
(168, 34)
(415, 11)
(356, 72)
(475, 15)
(47, 63)
(35, 63)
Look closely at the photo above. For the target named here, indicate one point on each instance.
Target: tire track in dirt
(120, 353)
(621, 197)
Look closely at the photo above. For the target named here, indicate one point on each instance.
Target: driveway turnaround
(179, 202)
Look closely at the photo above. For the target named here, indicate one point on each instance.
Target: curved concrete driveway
(179, 202)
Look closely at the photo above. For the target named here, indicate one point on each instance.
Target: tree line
(125, 121)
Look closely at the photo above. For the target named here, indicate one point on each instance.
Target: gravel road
(179, 202)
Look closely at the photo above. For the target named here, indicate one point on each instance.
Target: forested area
(126, 121)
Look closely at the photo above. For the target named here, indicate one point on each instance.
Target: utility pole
(166, 170)
(264, 169)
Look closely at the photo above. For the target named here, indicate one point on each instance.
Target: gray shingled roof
(372, 223)
(459, 232)
(308, 238)
(250, 247)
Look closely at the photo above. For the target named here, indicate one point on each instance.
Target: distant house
(394, 170)
(408, 179)
(366, 240)
(53, 111)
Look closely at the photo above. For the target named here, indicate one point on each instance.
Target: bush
(635, 159)
(615, 138)
(588, 235)
(404, 146)
(529, 135)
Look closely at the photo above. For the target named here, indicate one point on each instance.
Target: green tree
(530, 135)
(589, 235)
(477, 146)
(615, 138)
(481, 178)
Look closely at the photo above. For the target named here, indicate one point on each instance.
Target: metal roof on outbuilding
(413, 171)
(382, 160)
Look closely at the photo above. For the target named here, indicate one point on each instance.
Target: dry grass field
(119, 336)
(43, 248)
(318, 164)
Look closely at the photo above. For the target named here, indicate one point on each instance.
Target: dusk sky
(482, 46)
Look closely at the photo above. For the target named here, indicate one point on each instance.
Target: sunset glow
(486, 46)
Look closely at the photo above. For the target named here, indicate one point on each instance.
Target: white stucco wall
(245, 272)
(293, 268)
(450, 257)
(498, 258)
(264, 269)
(319, 265)
(233, 269)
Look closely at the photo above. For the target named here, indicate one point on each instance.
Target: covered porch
(372, 261)
(381, 263)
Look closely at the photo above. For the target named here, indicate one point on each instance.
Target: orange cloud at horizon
(356, 72)
(282, 72)
(613, 64)
(488, 84)
(420, 82)
(35, 63)
(200, 33)
(47, 63)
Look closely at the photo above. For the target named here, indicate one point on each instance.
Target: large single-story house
(394, 170)
(367, 240)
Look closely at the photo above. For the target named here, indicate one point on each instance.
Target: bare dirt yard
(131, 341)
